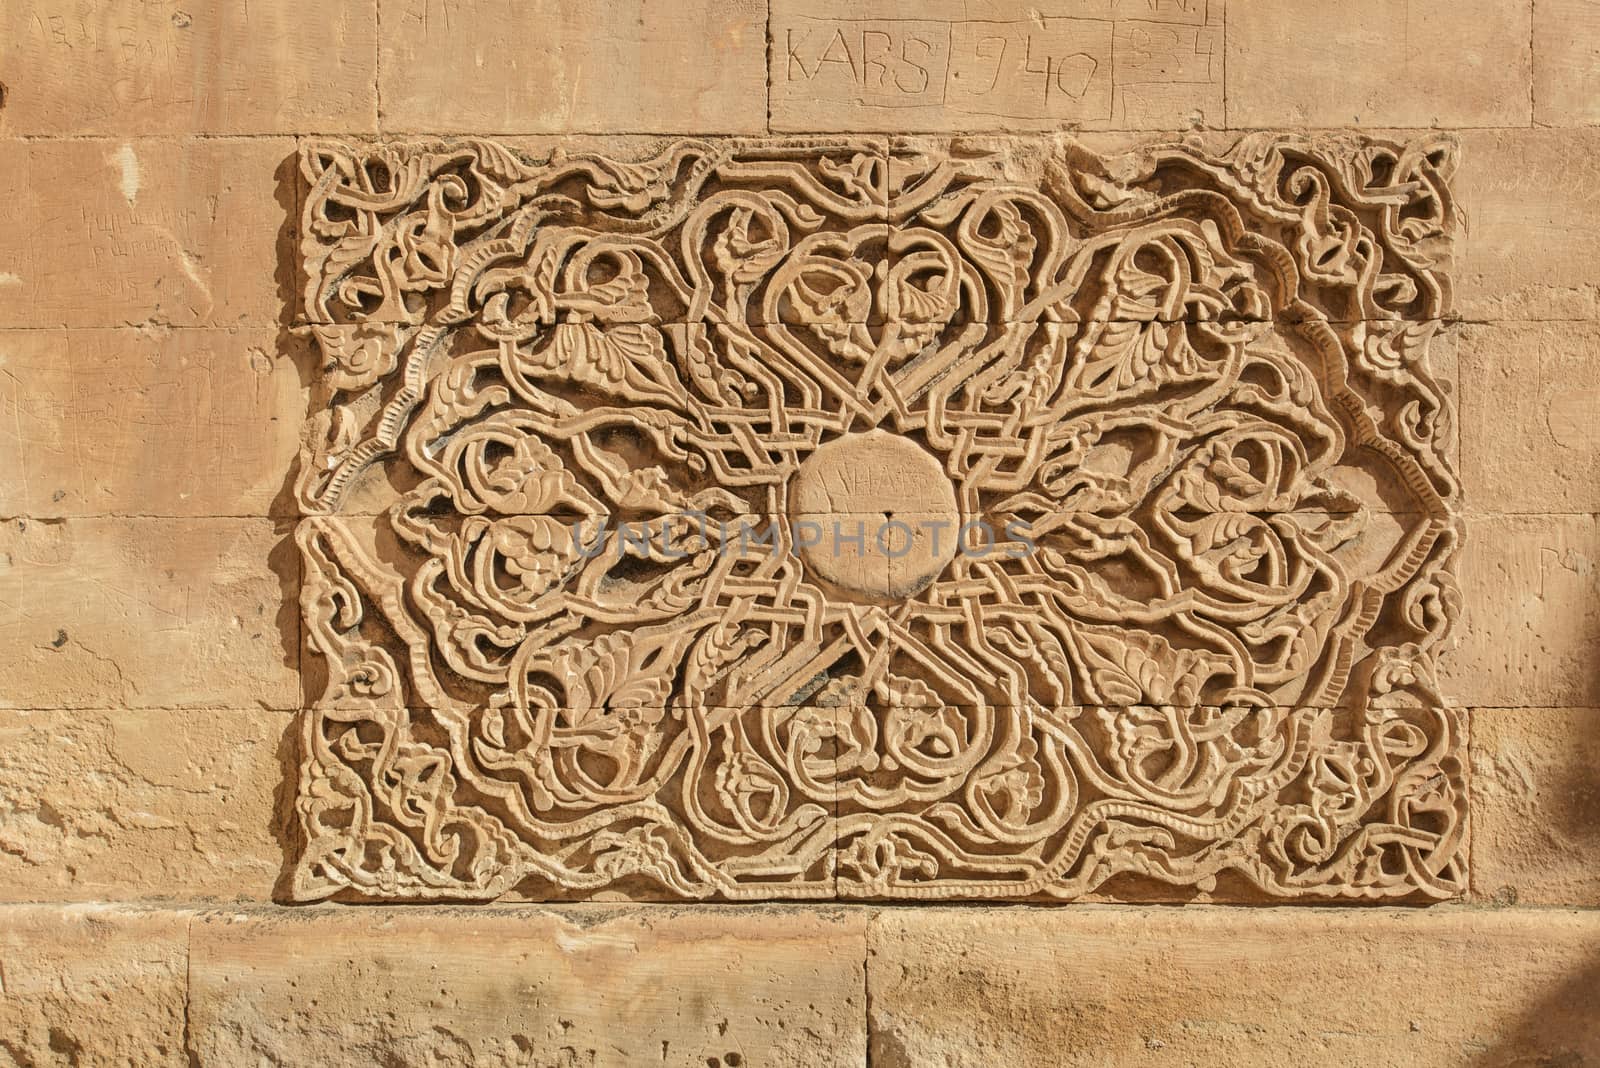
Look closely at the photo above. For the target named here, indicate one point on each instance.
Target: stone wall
(152, 402)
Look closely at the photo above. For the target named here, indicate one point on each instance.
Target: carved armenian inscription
(1086, 62)
(828, 519)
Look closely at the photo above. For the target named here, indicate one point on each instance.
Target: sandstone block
(1532, 204)
(139, 613)
(145, 422)
(1529, 394)
(1094, 64)
(97, 233)
(576, 67)
(140, 68)
(1530, 622)
(92, 985)
(1536, 805)
(1390, 989)
(586, 986)
(1373, 63)
(1566, 62)
(140, 803)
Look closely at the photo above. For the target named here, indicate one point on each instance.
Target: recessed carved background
(862, 519)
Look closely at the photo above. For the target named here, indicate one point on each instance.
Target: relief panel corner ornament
(841, 519)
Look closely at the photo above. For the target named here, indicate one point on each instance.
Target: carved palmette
(607, 463)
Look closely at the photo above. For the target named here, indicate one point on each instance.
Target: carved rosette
(1172, 413)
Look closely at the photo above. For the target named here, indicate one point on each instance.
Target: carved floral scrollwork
(1173, 415)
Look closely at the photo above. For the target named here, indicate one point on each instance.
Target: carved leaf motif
(1157, 438)
(1143, 669)
(1129, 354)
(599, 357)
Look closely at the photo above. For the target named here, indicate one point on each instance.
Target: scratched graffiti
(1140, 63)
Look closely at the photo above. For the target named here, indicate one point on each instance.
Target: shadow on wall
(1561, 1031)
(285, 559)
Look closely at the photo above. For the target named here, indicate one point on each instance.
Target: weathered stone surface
(97, 233)
(575, 67)
(1566, 62)
(1376, 63)
(137, 761)
(1136, 362)
(1532, 204)
(153, 421)
(1530, 394)
(140, 613)
(1104, 987)
(140, 803)
(91, 985)
(951, 66)
(1530, 622)
(128, 67)
(585, 986)
(1536, 805)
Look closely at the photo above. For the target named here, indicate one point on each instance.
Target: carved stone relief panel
(878, 519)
